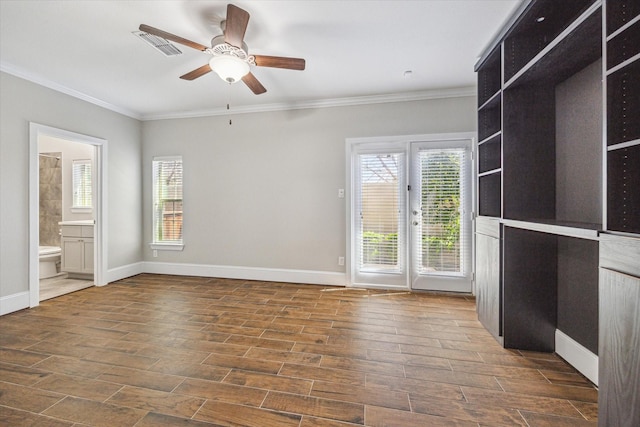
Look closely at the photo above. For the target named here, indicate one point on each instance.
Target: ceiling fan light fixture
(230, 68)
(230, 58)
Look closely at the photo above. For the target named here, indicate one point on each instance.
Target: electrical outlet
(340, 260)
(341, 193)
(155, 253)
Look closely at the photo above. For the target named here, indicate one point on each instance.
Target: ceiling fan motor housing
(220, 47)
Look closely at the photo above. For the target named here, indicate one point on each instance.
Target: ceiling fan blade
(198, 72)
(280, 62)
(236, 25)
(253, 83)
(172, 37)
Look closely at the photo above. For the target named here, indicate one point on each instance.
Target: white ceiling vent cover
(162, 45)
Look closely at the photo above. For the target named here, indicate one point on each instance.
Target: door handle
(416, 223)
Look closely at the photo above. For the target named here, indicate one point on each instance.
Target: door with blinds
(380, 235)
(411, 215)
(440, 205)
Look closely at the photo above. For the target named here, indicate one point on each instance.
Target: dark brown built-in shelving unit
(490, 135)
(619, 287)
(538, 27)
(525, 126)
(490, 154)
(489, 195)
(490, 78)
(624, 46)
(558, 175)
(623, 116)
(623, 108)
(621, 13)
(623, 189)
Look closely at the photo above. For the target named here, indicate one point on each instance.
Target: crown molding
(25, 75)
(247, 109)
(321, 103)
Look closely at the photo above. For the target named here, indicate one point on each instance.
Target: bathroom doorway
(66, 212)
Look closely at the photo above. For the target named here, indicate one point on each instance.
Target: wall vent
(161, 45)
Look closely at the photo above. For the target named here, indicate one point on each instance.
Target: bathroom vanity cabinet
(77, 248)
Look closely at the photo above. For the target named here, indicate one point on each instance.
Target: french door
(411, 214)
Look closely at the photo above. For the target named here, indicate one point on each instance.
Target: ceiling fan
(231, 59)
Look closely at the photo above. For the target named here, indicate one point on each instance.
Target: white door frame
(351, 145)
(397, 279)
(445, 282)
(100, 209)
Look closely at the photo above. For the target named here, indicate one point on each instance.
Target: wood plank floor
(186, 351)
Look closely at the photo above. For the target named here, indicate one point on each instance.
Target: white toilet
(49, 261)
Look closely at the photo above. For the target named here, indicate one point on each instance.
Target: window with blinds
(167, 200)
(82, 184)
(380, 202)
(441, 242)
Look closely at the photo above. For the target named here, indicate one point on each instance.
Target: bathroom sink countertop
(78, 222)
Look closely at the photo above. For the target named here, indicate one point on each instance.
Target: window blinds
(441, 246)
(81, 182)
(167, 192)
(380, 202)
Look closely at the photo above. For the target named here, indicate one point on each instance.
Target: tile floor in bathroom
(61, 285)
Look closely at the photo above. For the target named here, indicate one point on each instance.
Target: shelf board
(623, 28)
(491, 172)
(562, 51)
(489, 138)
(492, 101)
(561, 228)
(622, 145)
(621, 65)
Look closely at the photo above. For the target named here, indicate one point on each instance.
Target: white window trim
(166, 246)
(162, 245)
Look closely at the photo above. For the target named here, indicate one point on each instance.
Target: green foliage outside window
(379, 248)
(441, 210)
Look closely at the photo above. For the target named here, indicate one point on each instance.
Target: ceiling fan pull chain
(228, 103)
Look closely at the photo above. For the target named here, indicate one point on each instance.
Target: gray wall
(260, 193)
(23, 102)
(263, 191)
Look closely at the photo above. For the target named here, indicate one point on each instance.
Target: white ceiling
(353, 49)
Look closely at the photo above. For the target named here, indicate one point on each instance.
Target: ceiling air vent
(162, 45)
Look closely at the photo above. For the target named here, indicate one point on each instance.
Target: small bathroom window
(82, 185)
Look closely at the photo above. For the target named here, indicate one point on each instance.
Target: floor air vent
(162, 45)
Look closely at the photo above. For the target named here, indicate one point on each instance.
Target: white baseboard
(20, 301)
(582, 359)
(123, 272)
(248, 273)
(14, 302)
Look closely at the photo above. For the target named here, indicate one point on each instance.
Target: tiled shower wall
(50, 198)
